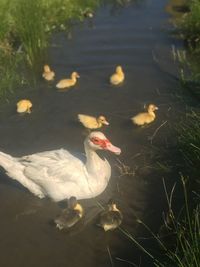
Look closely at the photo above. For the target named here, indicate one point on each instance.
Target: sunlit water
(136, 37)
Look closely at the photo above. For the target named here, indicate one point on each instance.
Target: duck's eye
(95, 140)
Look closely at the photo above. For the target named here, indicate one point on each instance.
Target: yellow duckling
(48, 74)
(118, 76)
(111, 218)
(69, 216)
(66, 83)
(24, 105)
(145, 117)
(92, 122)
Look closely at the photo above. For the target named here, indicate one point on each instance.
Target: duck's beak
(156, 108)
(113, 149)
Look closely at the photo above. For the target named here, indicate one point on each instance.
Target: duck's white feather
(58, 174)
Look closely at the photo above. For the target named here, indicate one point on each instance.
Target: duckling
(117, 77)
(69, 216)
(88, 13)
(145, 117)
(48, 74)
(92, 122)
(66, 83)
(111, 218)
(24, 105)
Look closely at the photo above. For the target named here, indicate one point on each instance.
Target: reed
(186, 228)
(9, 77)
(189, 29)
(26, 26)
(178, 239)
(191, 25)
(30, 28)
(189, 141)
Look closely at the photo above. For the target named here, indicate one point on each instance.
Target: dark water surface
(135, 37)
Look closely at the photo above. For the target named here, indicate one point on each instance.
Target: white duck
(58, 174)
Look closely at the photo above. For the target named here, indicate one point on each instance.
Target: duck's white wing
(58, 165)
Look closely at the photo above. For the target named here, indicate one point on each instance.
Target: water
(136, 37)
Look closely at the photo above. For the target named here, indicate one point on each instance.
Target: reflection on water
(125, 36)
(176, 8)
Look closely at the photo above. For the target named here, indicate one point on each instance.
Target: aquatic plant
(189, 30)
(9, 76)
(30, 28)
(60, 13)
(25, 29)
(191, 25)
(189, 140)
(186, 230)
(178, 239)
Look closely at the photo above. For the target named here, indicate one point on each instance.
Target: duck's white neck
(94, 162)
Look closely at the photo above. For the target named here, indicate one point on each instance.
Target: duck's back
(56, 173)
(59, 165)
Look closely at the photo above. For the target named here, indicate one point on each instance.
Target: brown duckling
(69, 216)
(111, 217)
(145, 117)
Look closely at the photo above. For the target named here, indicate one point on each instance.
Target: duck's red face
(105, 144)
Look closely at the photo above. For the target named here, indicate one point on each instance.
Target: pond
(135, 36)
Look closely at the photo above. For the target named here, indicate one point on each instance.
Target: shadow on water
(125, 36)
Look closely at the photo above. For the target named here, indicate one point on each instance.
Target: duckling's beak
(106, 122)
(156, 108)
(78, 76)
(112, 148)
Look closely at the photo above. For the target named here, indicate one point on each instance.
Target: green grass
(26, 26)
(189, 141)
(30, 29)
(177, 241)
(9, 77)
(189, 29)
(186, 252)
(191, 25)
(185, 228)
